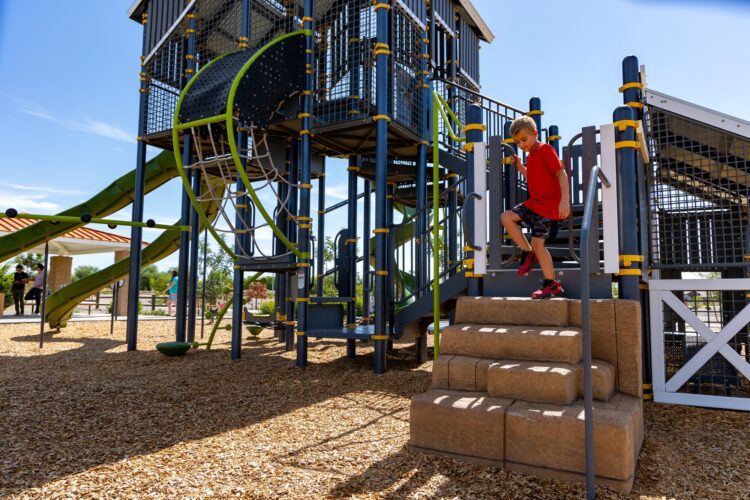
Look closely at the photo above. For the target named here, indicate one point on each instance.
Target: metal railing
(589, 262)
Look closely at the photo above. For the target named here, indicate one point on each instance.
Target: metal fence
(699, 189)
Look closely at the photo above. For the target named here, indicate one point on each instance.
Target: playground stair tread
(507, 389)
(536, 381)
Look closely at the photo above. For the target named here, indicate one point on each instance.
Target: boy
(548, 203)
(20, 279)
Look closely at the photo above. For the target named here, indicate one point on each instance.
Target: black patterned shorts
(541, 227)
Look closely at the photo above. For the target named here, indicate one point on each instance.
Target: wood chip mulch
(85, 418)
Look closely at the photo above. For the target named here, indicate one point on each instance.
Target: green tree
(29, 260)
(6, 281)
(81, 272)
(154, 280)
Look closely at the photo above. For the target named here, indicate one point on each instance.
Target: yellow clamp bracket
(282, 317)
(383, 230)
(303, 264)
(380, 5)
(389, 197)
(469, 274)
(627, 144)
(354, 40)
(507, 161)
(351, 325)
(467, 248)
(299, 334)
(628, 259)
(305, 226)
(353, 97)
(424, 143)
(381, 273)
(634, 104)
(469, 263)
(378, 52)
(321, 212)
(241, 205)
(629, 272)
(353, 168)
(290, 323)
(508, 140)
(236, 266)
(381, 117)
(304, 132)
(452, 175)
(475, 126)
(534, 112)
(380, 337)
(648, 397)
(351, 240)
(631, 85)
(191, 16)
(304, 115)
(381, 45)
(305, 185)
(623, 125)
(189, 31)
(189, 56)
(307, 19)
(643, 286)
(468, 147)
(304, 217)
(554, 138)
(303, 299)
(307, 92)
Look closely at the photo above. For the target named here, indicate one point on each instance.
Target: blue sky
(69, 80)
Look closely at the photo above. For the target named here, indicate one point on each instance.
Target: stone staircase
(507, 389)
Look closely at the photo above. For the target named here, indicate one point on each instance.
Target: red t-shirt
(542, 166)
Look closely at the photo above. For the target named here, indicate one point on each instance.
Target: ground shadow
(69, 411)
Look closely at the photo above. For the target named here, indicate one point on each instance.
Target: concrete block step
(512, 311)
(538, 438)
(548, 440)
(543, 382)
(465, 424)
(514, 342)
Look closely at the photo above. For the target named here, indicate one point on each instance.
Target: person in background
(20, 278)
(37, 288)
(171, 292)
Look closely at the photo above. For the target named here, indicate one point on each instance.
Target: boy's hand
(564, 209)
(517, 162)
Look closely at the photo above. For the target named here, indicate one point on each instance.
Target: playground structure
(248, 98)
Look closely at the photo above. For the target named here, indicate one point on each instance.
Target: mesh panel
(681, 342)
(699, 191)
(406, 52)
(344, 67)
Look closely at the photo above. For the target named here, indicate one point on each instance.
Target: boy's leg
(544, 257)
(510, 222)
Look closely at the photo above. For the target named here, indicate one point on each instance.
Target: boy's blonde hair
(523, 123)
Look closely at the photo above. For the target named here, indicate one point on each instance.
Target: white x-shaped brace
(715, 342)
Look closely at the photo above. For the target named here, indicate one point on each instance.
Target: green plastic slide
(117, 195)
(60, 305)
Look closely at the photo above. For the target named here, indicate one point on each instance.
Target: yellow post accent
(380, 337)
(381, 5)
(299, 334)
(303, 299)
(381, 273)
(304, 132)
(305, 226)
(381, 230)
(303, 115)
(241, 205)
(623, 125)
(350, 241)
(305, 185)
(468, 147)
(629, 259)
(353, 168)
(307, 18)
(381, 117)
(554, 138)
(627, 144)
(648, 397)
(634, 104)
(303, 264)
(631, 85)
(629, 272)
(535, 112)
(475, 126)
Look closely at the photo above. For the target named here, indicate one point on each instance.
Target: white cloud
(86, 125)
(339, 192)
(43, 189)
(28, 203)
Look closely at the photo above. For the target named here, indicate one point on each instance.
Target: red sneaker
(552, 290)
(528, 259)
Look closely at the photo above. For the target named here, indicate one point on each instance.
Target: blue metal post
(366, 273)
(136, 233)
(195, 235)
(351, 243)
(381, 53)
(390, 261)
(632, 90)
(627, 149)
(186, 208)
(282, 278)
(453, 185)
(535, 111)
(554, 138)
(291, 226)
(321, 232)
(241, 214)
(422, 233)
(474, 134)
(305, 221)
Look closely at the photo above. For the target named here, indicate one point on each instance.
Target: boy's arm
(564, 209)
(519, 165)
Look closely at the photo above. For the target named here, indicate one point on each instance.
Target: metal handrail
(588, 403)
